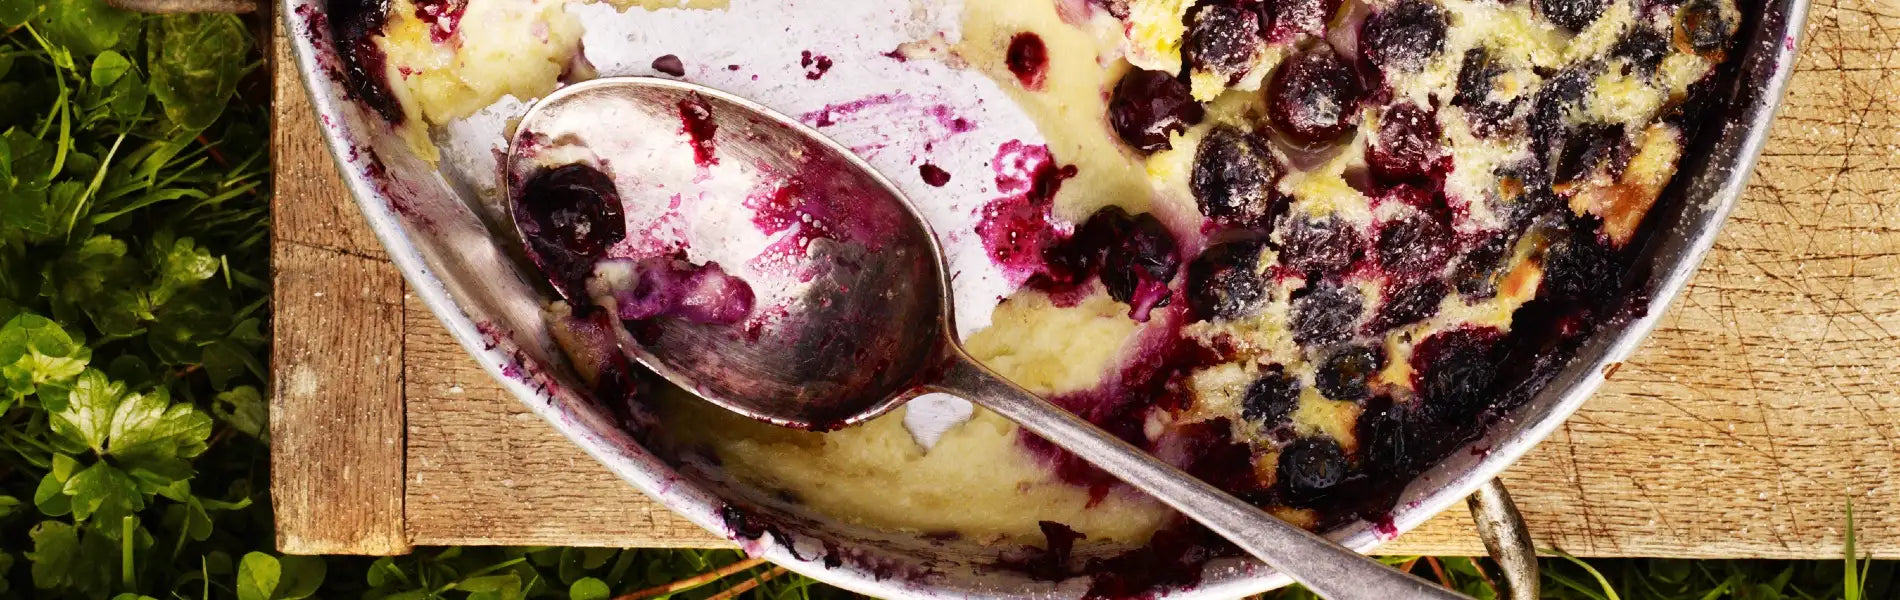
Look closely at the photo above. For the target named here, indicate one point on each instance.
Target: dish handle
(1506, 539)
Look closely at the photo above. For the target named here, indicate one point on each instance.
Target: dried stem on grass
(747, 585)
(1439, 570)
(694, 581)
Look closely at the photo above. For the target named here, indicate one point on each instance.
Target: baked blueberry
(1407, 302)
(1408, 144)
(1324, 313)
(1271, 398)
(570, 215)
(1223, 40)
(1149, 106)
(1701, 28)
(1553, 105)
(1643, 47)
(1289, 19)
(1347, 373)
(1477, 272)
(1141, 262)
(1389, 438)
(1314, 96)
(1478, 72)
(1405, 35)
(1233, 177)
(1310, 468)
(1325, 246)
(1080, 257)
(1452, 372)
(1591, 146)
(1573, 15)
(1581, 267)
(1414, 246)
(1225, 283)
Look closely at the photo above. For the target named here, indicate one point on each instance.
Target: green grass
(133, 286)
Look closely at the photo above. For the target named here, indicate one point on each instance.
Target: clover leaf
(195, 61)
(35, 351)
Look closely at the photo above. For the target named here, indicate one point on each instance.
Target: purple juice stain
(570, 216)
(1173, 558)
(933, 174)
(1017, 228)
(816, 65)
(696, 121)
(1051, 561)
(1028, 59)
(617, 383)
(828, 116)
(671, 287)
(354, 24)
(817, 202)
(950, 120)
(670, 65)
(1155, 378)
(443, 17)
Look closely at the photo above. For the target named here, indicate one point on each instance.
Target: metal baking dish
(445, 233)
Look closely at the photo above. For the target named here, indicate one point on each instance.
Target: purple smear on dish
(671, 287)
(1017, 227)
(696, 122)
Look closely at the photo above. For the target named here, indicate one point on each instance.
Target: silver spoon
(860, 317)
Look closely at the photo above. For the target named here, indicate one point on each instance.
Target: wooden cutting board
(1763, 404)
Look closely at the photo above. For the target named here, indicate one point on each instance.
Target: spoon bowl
(848, 291)
(768, 270)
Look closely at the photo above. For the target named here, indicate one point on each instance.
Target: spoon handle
(1324, 567)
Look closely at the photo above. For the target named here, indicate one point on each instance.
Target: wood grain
(484, 470)
(336, 387)
(1764, 402)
